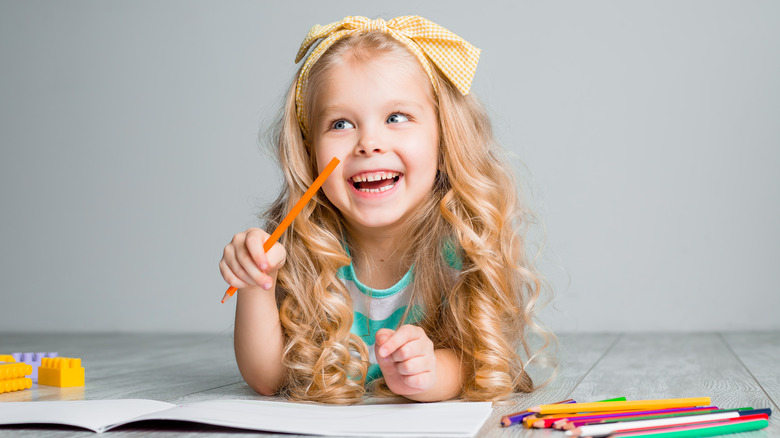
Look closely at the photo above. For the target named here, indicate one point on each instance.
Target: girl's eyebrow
(392, 105)
(405, 104)
(331, 109)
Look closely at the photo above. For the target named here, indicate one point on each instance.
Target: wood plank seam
(728, 346)
(603, 355)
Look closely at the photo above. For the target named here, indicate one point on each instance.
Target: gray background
(647, 134)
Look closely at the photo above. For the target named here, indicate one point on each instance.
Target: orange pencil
(291, 215)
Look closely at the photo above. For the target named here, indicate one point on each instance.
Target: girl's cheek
(328, 188)
(324, 152)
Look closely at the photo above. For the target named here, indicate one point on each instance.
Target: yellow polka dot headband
(428, 41)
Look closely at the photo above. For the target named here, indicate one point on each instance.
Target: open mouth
(375, 182)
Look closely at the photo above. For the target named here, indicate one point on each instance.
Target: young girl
(407, 272)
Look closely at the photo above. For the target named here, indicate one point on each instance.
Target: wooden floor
(734, 369)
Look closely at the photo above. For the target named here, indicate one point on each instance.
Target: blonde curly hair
(485, 314)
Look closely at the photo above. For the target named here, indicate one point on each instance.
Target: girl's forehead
(391, 74)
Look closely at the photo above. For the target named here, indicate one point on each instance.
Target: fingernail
(263, 266)
(267, 286)
(383, 352)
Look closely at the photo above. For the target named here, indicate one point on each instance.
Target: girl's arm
(258, 339)
(258, 336)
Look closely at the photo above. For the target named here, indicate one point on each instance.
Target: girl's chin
(376, 221)
(378, 224)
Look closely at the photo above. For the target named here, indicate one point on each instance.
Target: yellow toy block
(14, 370)
(15, 384)
(7, 358)
(61, 371)
(12, 376)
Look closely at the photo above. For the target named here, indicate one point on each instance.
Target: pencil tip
(224, 298)
(536, 409)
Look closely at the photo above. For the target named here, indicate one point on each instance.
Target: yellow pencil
(622, 405)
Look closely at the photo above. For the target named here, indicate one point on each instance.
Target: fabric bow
(428, 41)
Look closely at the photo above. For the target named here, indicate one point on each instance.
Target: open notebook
(448, 419)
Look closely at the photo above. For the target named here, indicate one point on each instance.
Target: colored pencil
(675, 427)
(550, 420)
(706, 430)
(291, 215)
(609, 428)
(621, 405)
(583, 419)
(547, 421)
(517, 417)
(647, 415)
(739, 411)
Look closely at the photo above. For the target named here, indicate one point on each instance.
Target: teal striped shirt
(383, 308)
(379, 308)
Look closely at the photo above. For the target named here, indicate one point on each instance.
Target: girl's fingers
(411, 349)
(255, 238)
(419, 380)
(276, 256)
(230, 277)
(415, 365)
(382, 335)
(398, 343)
(247, 263)
(234, 266)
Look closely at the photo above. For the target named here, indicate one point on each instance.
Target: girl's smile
(375, 183)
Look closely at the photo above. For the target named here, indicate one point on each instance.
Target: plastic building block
(14, 370)
(12, 376)
(33, 359)
(7, 358)
(61, 371)
(15, 384)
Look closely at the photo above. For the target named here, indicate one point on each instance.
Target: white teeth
(377, 176)
(381, 189)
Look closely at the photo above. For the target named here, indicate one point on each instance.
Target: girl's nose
(368, 145)
(368, 150)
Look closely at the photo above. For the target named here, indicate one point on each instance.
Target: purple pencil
(579, 421)
(517, 417)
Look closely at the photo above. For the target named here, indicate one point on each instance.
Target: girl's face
(379, 119)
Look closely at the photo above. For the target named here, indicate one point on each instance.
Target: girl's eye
(342, 124)
(397, 118)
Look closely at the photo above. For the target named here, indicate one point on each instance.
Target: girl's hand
(244, 262)
(406, 359)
